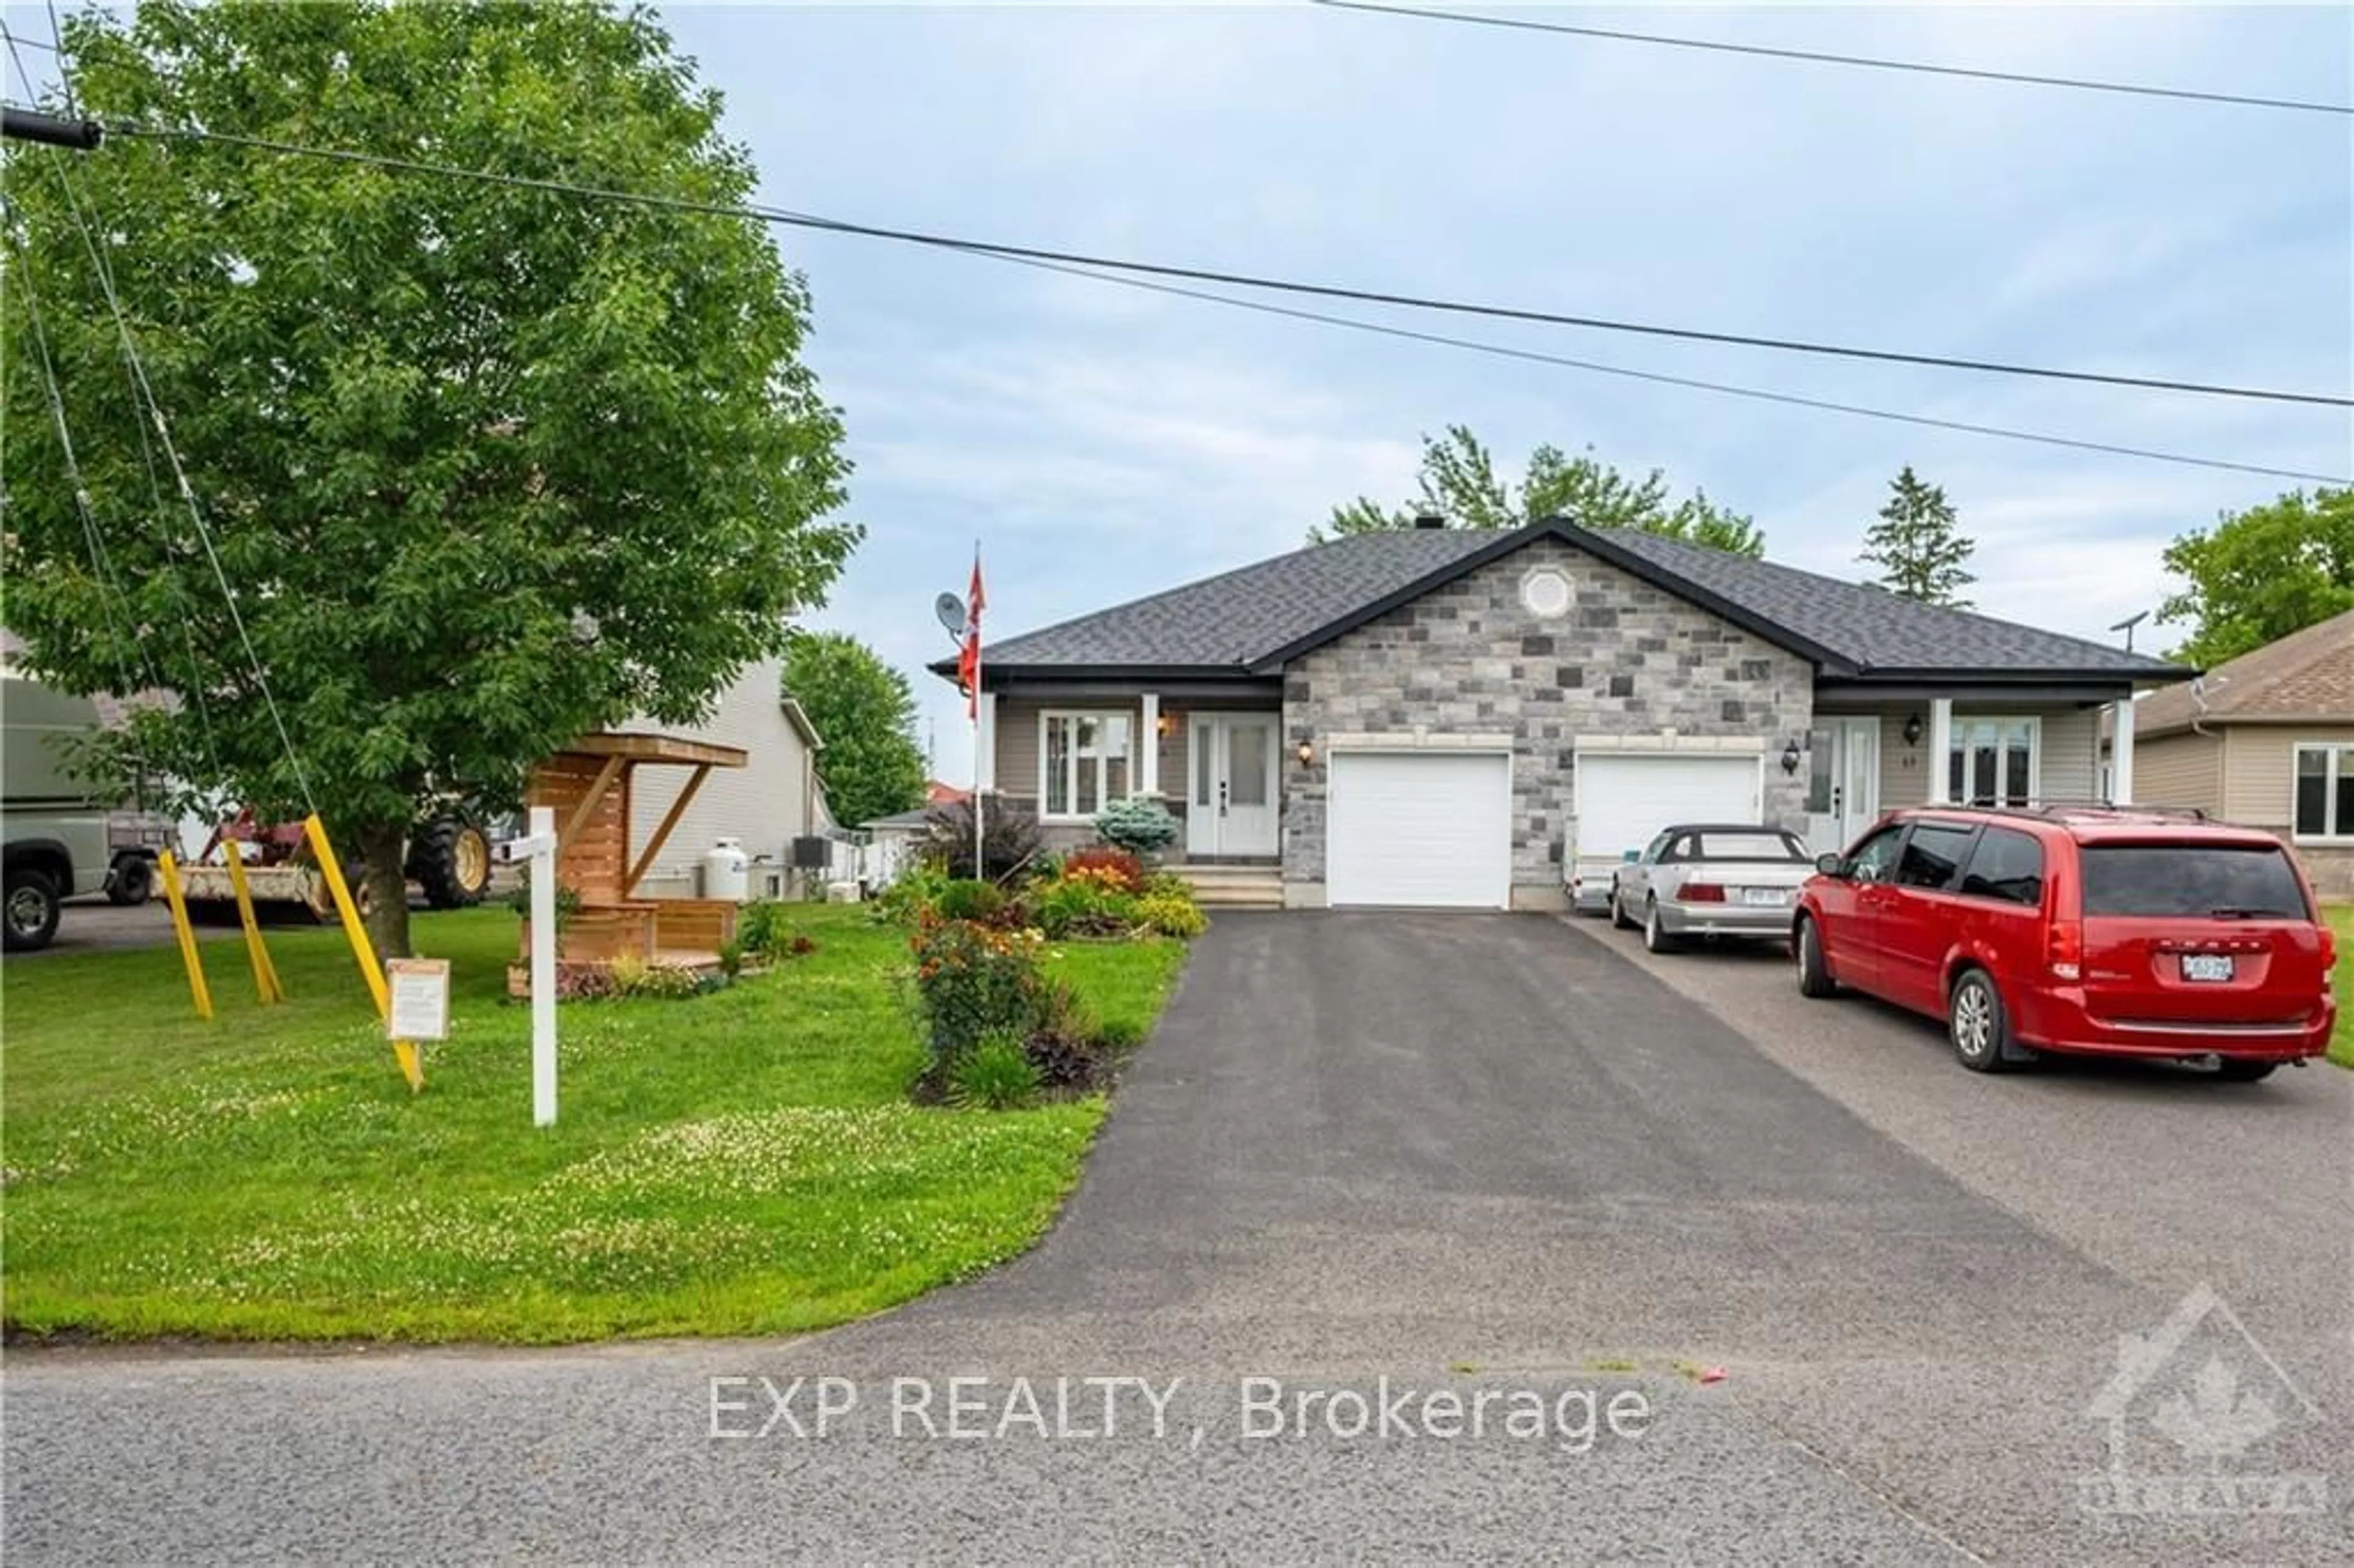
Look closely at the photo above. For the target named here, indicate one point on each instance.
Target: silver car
(1703, 879)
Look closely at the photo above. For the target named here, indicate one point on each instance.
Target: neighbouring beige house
(765, 805)
(2267, 740)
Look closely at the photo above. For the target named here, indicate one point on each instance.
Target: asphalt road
(1480, 1154)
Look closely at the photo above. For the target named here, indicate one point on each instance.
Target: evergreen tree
(1916, 545)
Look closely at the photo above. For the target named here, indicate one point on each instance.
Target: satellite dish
(950, 610)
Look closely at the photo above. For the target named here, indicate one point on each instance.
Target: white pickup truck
(53, 836)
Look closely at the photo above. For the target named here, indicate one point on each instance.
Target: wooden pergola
(587, 784)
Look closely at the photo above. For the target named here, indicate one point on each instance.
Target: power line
(1758, 394)
(1205, 275)
(1819, 57)
(1034, 259)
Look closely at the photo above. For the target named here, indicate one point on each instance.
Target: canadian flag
(969, 659)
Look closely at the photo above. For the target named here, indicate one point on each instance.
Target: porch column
(2121, 747)
(1941, 742)
(1148, 742)
(984, 744)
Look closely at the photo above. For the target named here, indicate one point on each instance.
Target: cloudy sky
(1101, 444)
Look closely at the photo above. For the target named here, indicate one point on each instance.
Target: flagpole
(980, 862)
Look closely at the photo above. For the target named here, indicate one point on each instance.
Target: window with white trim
(1994, 760)
(2325, 791)
(1084, 761)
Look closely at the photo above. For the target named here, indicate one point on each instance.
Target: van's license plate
(2206, 966)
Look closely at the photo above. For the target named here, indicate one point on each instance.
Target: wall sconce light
(1790, 757)
(1912, 729)
(1307, 754)
(1165, 726)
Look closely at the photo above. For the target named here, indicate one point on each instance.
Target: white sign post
(539, 846)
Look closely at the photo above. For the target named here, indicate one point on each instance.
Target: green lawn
(2341, 1042)
(739, 1163)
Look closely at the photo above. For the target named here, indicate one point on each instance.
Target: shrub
(1056, 1006)
(994, 1074)
(669, 980)
(1064, 1060)
(583, 982)
(1117, 866)
(1168, 881)
(1085, 904)
(1168, 915)
(972, 979)
(1139, 825)
(731, 959)
(761, 926)
(912, 893)
(968, 900)
(629, 972)
(632, 976)
(1009, 840)
(802, 946)
(567, 900)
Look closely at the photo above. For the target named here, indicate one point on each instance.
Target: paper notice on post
(420, 999)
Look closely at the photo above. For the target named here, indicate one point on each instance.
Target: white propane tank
(727, 872)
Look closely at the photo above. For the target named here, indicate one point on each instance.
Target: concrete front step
(1234, 886)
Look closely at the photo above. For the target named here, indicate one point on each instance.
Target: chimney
(1428, 520)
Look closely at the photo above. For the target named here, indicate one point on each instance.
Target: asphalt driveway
(1470, 1153)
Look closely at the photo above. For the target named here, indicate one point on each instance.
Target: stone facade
(1471, 659)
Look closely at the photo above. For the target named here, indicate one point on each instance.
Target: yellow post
(265, 974)
(402, 1051)
(196, 987)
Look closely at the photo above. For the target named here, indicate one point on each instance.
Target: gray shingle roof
(1236, 618)
(1237, 621)
(1872, 629)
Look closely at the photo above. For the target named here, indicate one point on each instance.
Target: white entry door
(1842, 782)
(1231, 804)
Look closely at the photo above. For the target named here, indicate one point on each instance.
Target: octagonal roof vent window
(1546, 592)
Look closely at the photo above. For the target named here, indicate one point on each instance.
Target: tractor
(449, 859)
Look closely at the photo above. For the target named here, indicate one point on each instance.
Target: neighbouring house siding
(1627, 660)
(2259, 768)
(767, 803)
(2259, 776)
(2184, 769)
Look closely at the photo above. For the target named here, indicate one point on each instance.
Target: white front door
(1842, 782)
(1231, 783)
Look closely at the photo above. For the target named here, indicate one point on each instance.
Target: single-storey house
(2267, 740)
(764, 806)
(1447, 717)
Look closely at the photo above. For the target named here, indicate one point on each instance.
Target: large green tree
(2261, 574)
(864, 712)
(1457, 481)
(482, 467)
(1918, 544)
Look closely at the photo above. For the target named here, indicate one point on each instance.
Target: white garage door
(1622, 802)
(1426, 829)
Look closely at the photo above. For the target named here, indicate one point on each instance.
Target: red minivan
(2108, 930)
